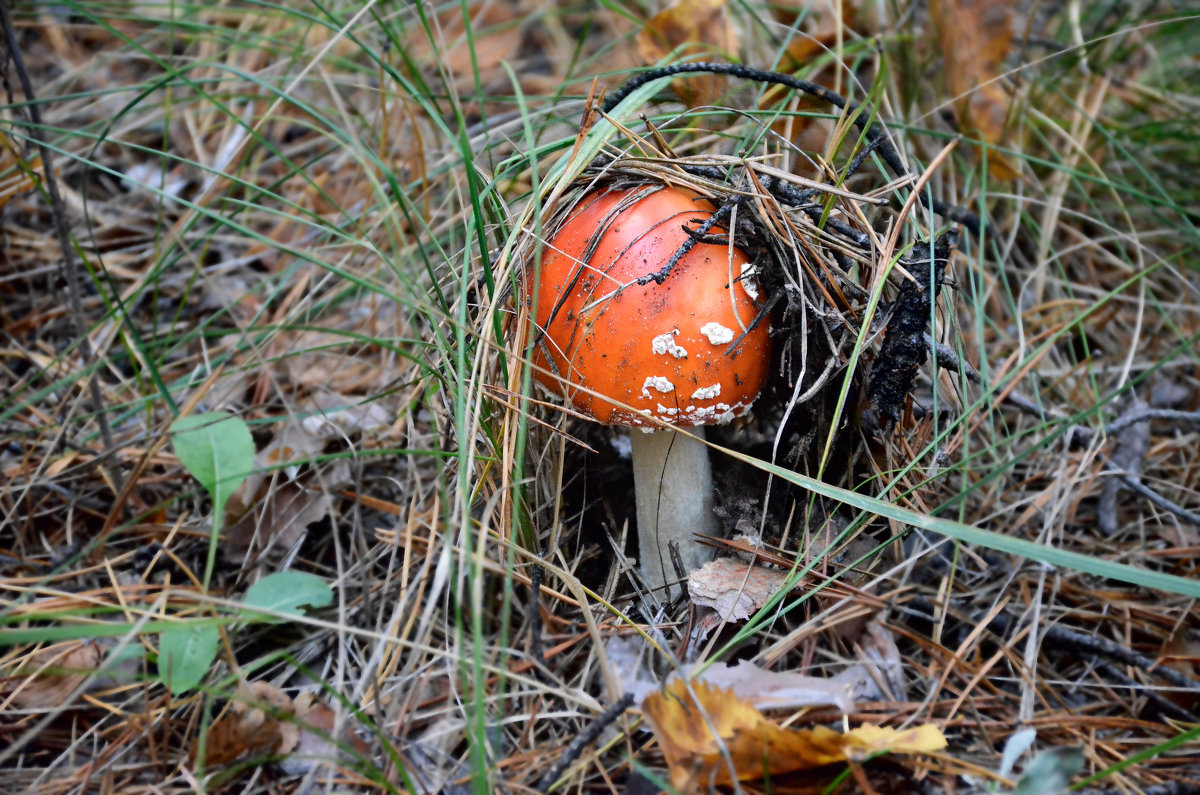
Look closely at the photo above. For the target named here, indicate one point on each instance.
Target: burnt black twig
(793, 196)
(817, 214)
(876, 135)
(904, 347)
(763, 313)
(582, 740)
(694, 236)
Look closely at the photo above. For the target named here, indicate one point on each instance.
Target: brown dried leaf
(265, 720)
(877, 648)
(313, 742)
(293, 447)
(495, 38)
(248, 726)
(320, 359)
(49, 677)
(272, 509)
(733, 588)
(975, 37)
(335, 415)
(1182, 654)
(727, 589)
(279, 522)
(699, 736)
(816, 23)
(690, 27)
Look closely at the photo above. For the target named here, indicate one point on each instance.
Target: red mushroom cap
(662, 350)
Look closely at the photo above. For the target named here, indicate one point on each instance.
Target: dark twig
(694, 236)
(905, 345)
(792, 196)
(764, 312)
(1125, 464)
(861, 157)
(1068, 640)
(1147, 415)
(1079, 434)
(876, 135)
(1164, 705)
(1075, 642)
(1138, 487)
(817, 214)
(582, 740)
(1026, 405)
(1129, 447)
(58, 208)
(948, 359)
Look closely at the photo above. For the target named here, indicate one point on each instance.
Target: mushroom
(645, 354)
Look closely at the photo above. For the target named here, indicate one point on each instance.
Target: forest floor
(283, 509)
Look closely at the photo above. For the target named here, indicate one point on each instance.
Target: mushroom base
(674, 492)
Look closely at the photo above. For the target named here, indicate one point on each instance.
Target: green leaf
(217, 450)
(185, 653)
(286, 592)
(1050, 772)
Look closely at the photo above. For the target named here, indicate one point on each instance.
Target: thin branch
(584, 738)
(875, 133)
(1135, 485)
(70, 271)
(1120, 424)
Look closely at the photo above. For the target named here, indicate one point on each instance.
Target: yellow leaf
(690, 27)
(700, 736)
(868, 740)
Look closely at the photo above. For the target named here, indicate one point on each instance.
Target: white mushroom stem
(672, 481)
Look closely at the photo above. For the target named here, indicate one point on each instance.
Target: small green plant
(218, 451)
(1050, 772)
(186, 652)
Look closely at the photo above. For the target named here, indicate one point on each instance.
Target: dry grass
(315, 218)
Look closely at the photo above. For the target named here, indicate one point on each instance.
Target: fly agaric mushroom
(649, 354)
